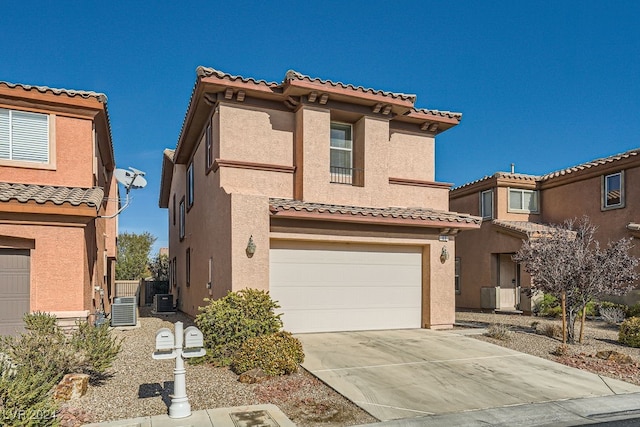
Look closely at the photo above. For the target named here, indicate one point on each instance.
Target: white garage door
(343, 287)
(14, 290)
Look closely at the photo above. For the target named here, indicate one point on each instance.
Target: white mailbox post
(169, 346)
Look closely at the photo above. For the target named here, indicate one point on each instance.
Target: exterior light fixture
(444, 255)
(251, 247)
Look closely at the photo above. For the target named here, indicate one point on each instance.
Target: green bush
(40, 322)
(548, 306)
(633, 311)
(97, 345)
(276, 354)
(226, 323)
(591, 309)
(630, 332)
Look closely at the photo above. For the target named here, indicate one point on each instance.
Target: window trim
(603, 192)
(482, 193)
(51, 147)
(190, 186)
(182, 214)
(522, 191)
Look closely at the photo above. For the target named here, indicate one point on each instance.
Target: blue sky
(544, 84)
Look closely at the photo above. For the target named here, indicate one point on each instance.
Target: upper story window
(208, 147)
(182, 220)
(523, 200)
(190, 194)
(24, 136)
(341, 152)
(613, 191)
(486, 204)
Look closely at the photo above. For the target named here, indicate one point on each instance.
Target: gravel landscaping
(138, 386)
(598, 337)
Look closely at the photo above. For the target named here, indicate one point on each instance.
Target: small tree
(569, 264)
(159, 267)
(133, 255)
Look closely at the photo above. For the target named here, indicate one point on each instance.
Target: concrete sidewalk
(239, 416)
(576, 412)
(403, 374)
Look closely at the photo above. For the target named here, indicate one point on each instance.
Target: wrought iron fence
(349, 176)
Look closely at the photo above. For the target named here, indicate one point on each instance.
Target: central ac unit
(163, 303)
(123, 311)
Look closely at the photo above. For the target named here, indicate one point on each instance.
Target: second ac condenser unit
(163, 303)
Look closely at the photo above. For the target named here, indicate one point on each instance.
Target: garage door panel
(337, 287)
(333, 297)
(334, 320)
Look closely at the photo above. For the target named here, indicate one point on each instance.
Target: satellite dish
(132, 178)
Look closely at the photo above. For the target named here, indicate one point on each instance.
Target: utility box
(490, 297)
(163, 303)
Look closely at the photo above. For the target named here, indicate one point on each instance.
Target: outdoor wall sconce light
(251, 247)
(444, 255)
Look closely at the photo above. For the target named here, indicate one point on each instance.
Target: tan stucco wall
(73, 153)
(418, 147)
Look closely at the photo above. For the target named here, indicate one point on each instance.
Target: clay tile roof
(449, 114)
(202, 71)
(70, 92)
(279, 205)
(592, 163)
(46, 193)
(294, 75)
(509, 175)
(524, 227)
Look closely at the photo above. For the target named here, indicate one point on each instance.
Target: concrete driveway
(411, 373)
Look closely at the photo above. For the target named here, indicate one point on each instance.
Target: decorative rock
(253, 376)
(72, 386)
(615, 356)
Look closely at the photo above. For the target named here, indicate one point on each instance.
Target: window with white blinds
(24, 136)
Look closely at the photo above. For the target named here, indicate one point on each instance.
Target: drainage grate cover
(253, 419)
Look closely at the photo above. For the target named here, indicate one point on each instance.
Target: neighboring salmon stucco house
(56, 162)
(516, 206)
(320, 192)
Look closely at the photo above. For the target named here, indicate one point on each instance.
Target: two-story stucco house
(320, 192)
(517, 206)
(56, 161)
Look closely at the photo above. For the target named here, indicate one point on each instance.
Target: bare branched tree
(569, 264)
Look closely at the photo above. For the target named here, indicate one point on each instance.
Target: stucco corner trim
(221, 163)
(419, 183)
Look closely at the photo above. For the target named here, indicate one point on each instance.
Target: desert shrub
(498, 331)
(561, 350)
(591, 308)
(97, 345)
(226, 323)
(550, 329)
(612, 315)
(633, 311)
(34, 362)
(276, 354)
(630, 332)
(548, 306)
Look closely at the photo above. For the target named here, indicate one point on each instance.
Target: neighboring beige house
(516, 206)
(56, 180)
(322, 193)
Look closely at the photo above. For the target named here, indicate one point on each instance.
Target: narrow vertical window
(613, 191)
(341, 153)
(188, 266)
(209, 150)
(457, 275)
(174, 210)
(182, 219)
(190, 185)
(486, 201)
